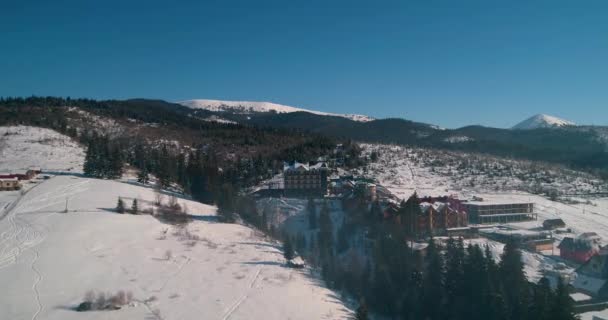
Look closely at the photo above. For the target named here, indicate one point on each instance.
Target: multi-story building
(494, 212)
(300, 178)
(439, 215)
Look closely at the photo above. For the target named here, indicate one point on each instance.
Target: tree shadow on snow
(207, 218)
(261, 244)
(264, 263)
(66, 307)
(111, 210)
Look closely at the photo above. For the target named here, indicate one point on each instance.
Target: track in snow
(18, 233)
(35, 285)
(235, 306)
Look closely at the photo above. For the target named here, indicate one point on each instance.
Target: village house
(592, 276)
(578, 249)
(551, 224)
(540, 245)
(8, 184)
(21, 174)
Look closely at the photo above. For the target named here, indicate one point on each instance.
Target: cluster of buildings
(444, 215)
(12, 180)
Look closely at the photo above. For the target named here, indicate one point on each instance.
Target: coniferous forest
(446, 281)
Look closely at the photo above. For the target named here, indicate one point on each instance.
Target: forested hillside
(211, 161)
(578, 147)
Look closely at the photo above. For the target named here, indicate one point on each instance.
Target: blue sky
(450, 63)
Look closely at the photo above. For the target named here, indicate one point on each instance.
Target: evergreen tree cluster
(103, 159)
(455, 282)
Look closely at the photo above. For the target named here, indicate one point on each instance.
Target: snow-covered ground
(50, 259)
(404, 170)
(23, 146)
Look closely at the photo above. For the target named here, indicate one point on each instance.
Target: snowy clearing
(23, 146)
(50, 259)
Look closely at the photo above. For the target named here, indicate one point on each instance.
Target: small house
(551, 224)
(35, 170)
(577, 250)
(8, 184)
(540, 245)
(19, 174)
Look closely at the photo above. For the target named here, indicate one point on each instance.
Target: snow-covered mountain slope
(251, 106)
(23, 146)
(542, 121)
(204, 270)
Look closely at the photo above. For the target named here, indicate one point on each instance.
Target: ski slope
(49, 259)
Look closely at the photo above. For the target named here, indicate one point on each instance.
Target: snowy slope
(50, 259)
(23, 146)
(542, 121)
(251, 106)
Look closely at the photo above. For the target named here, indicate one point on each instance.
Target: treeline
(198, 172)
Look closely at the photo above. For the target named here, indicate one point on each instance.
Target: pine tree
(562, 307)
(514, 282)
(433, 293)
(454, 277)
(342, 244)
(361, 313)
(264, 222)
(312, 214)
(120, 206)
(143, 175)
(288, 251)
(134, 207)
(325, 232)
(375, 211)
(116, 164)
(90, 161)
(542, 298)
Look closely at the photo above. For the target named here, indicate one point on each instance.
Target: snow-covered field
(23, 146)
(49, 258)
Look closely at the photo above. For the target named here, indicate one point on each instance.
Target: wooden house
(551, 224)
(577, 249)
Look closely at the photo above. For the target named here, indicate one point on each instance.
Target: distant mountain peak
(542, 121)
(245, 107)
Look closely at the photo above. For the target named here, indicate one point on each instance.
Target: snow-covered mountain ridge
(255, 106)
(542, 121)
